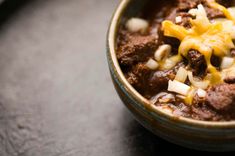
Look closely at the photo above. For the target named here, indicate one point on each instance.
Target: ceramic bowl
(194, 134)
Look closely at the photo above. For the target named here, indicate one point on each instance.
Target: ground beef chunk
(159, 79)
(226, 3)
(215, 60)
(203, 112)
(137, 49)
(137, 77)
(185, 5)
(213, 13)
(197, 62)
(185, 18)
(221, 97)
(182, 110)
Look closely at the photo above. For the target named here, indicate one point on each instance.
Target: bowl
(190, 133)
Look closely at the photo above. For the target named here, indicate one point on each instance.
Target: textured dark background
(56, 95)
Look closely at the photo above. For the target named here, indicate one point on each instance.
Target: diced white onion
(162, 52)
(228, 72)
(201, 93)
(201, 18)
(137, 25)
(168, 64)
(178, 87)
(162, 97)
(156, 97)
(167, 98)
(178, 19)
(228, 26)
(199, 84)
(226, 62)
(201, 10)
(180, 96)
(193, 12)
(152, 64)
(181, 75)
(232, 11)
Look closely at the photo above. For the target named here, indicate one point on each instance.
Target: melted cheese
(206, 37)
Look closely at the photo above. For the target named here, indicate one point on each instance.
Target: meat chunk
(159, 79)
(138, 77)
(197, 62)
(185, 5)
(213, 13)
(137, 49)
(184, 15)
(221, 97)
(203, 112)
(215, 60)
(226, 3)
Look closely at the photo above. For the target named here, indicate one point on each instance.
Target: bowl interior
(125, 10)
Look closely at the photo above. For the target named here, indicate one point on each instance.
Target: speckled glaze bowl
(201, 135)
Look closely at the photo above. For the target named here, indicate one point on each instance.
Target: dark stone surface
(56, 95)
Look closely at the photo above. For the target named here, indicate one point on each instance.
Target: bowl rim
(113, 62)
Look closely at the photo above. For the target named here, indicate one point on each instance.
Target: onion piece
(167, 98)
(228, 72)
(201, 18)
(201, 93)
(178, 87)
(181, 74)
(231, 11)
(178, 19)
(226, 62)
(199, 84)
(193, 12)
(162, 52)
(137, 25)
(152, 64)
(168, 64)
(189, 97)
(180, 96)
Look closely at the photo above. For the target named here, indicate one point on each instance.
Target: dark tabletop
(56, 95)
